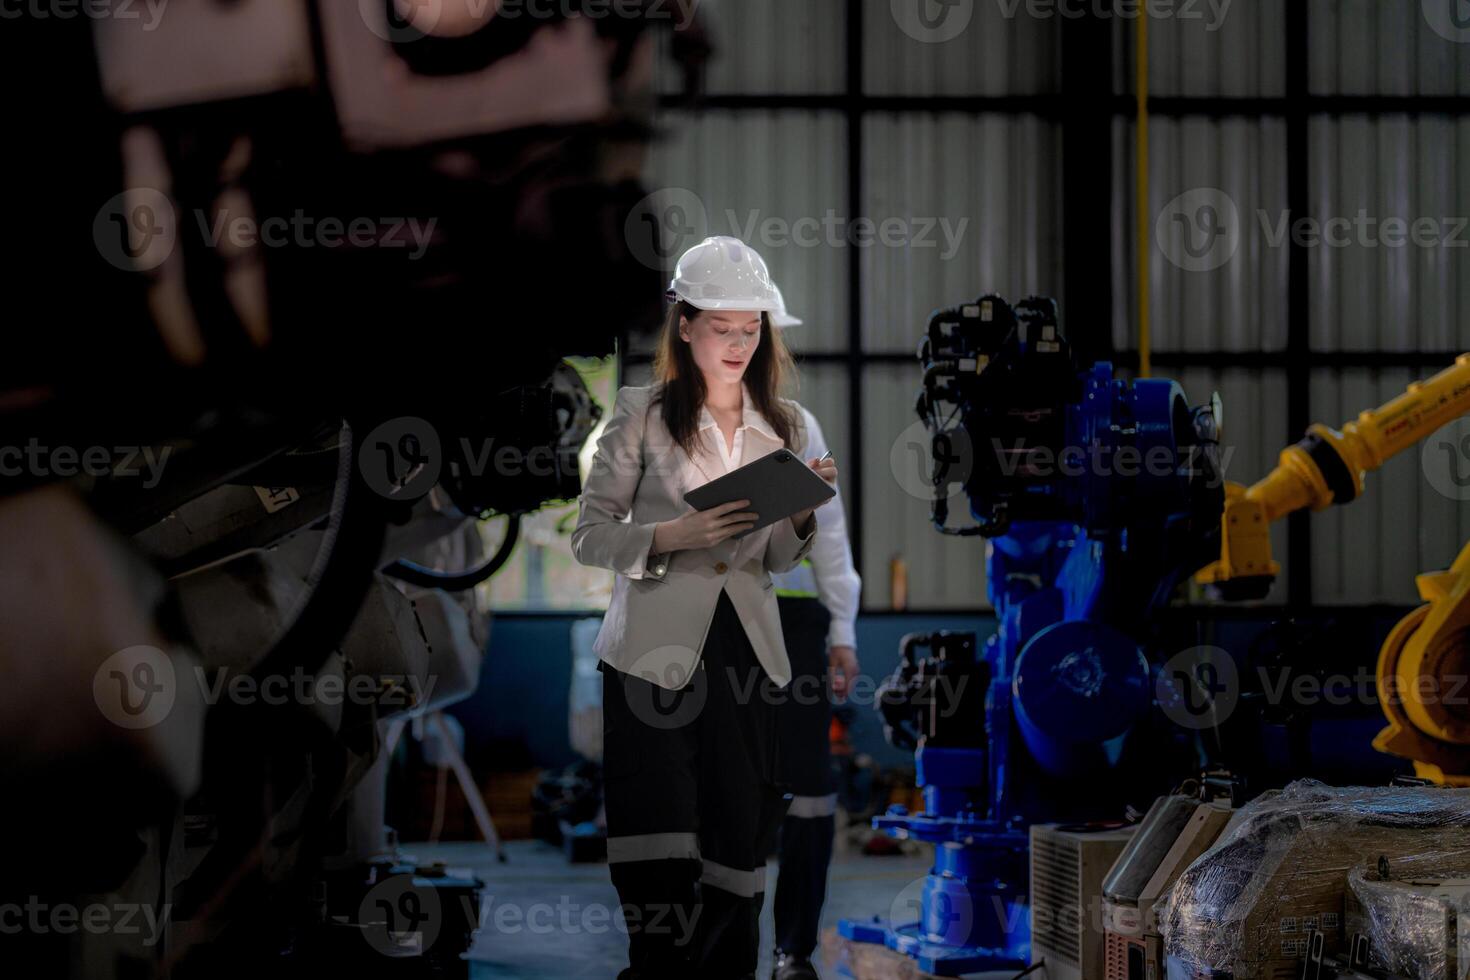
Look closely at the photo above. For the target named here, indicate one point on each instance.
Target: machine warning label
(277, 498)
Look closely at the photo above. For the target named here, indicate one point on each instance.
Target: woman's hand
(703, 528)
(827, 470)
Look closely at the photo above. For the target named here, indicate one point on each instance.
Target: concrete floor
(545, 919)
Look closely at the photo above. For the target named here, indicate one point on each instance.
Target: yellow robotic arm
(1424, 666)
(1424, 679)
(1328, 467)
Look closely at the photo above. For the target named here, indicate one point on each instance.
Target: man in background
(819, 603)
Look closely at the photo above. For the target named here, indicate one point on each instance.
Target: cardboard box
(1248, 905)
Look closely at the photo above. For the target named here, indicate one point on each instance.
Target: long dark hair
(681, 390)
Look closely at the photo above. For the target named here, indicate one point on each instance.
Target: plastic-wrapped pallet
(1410, 911)
(1278, 872)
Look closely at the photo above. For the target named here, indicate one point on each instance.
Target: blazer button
(722, 568)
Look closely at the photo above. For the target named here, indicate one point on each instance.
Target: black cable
(429, 578)
(1030, 969)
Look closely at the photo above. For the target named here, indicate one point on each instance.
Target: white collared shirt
(750, 418)
(830, 574)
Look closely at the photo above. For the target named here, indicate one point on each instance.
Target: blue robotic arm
(1097, 497)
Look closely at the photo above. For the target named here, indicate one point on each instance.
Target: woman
(691, 647)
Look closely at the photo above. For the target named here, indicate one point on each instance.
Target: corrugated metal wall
(1388, 47)
(1241, 303)
(769, 46)
(777, 180)
(943, 571)
(984, 192)
(1236, 48)
(993, 48)
(997, 177)
(1254, 430)
(1240, 306)
(1367, 293)
(1358, 47)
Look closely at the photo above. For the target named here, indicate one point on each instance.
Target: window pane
(917, 47)
(638, 375)
(768, 47)
(541, 572)
(1388, 47)
(1219, 253)
(1254, 432)
(958, 206)
(1229, 50)
(824, 393)
(943, 572)
(1390, 266)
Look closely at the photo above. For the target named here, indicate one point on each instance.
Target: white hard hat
(723, 273)
(780, 317)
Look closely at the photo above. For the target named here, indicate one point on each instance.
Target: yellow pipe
(1140, 85)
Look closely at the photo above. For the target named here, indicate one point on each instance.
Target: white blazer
(662, 604)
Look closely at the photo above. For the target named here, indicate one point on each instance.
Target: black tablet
(777, 485)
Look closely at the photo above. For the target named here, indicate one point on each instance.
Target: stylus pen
(825, 456)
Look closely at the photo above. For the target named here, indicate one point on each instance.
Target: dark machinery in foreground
(309, 258)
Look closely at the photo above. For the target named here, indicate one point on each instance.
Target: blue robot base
(973, 914)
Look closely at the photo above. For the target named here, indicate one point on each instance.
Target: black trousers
(810, 823)
(694, 796)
